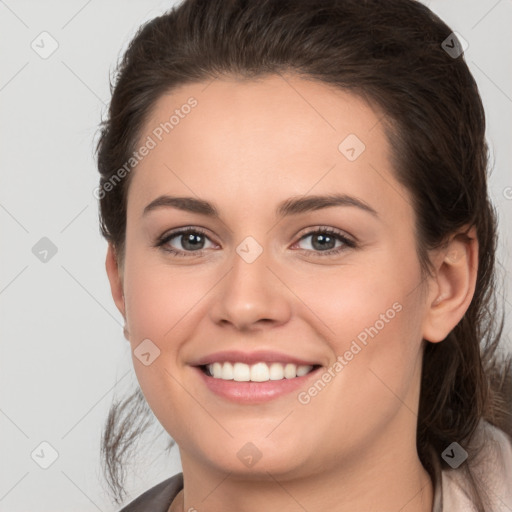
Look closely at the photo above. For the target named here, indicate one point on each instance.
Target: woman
(302, 247)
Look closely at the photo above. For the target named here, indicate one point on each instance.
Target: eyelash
(166, 238)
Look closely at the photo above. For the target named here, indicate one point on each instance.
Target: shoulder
(491, 467)
(158, 498)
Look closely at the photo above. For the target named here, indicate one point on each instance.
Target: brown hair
(391, 54)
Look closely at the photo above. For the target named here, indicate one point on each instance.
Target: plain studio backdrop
(63, 355)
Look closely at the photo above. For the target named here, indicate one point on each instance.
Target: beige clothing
(492, 467)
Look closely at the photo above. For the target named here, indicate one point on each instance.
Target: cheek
(374, 335)
(163, 305)
(159, 298)
(365, 300)
(371, 317)
(159, 310)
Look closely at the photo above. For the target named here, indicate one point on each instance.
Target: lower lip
(254, 392)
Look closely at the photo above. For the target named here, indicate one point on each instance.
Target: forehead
(272, 137)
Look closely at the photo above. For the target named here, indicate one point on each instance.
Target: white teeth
(216, 370)
(303, 370)
(290, 371)
(276, 371)
(241, 372)
(227, 371)
(259, 372)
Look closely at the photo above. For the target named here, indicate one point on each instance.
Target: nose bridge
(250, 293)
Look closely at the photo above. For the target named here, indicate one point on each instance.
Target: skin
(247, 146)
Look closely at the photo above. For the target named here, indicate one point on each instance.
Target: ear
(452, 286)
(115, 276)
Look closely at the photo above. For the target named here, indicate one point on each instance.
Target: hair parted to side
(389, 53)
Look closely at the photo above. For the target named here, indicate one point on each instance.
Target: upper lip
(236, 356)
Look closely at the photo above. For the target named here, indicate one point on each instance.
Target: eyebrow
(291, 206)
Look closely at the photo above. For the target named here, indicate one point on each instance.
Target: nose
(252, 295)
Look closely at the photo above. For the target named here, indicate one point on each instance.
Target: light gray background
(63, 355)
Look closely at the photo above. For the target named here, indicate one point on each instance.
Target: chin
(247, 460)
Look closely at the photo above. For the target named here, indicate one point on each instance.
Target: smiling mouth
(258, 372)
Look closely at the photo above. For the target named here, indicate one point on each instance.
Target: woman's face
(283, 273)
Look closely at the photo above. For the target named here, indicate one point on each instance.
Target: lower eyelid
(335, 251)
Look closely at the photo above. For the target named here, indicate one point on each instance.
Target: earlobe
(454, 286)
(115, 278)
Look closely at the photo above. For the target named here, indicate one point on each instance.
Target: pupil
(323, 238)
(190, 239)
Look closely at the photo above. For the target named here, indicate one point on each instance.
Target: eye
(323, 242)
(190, 242)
